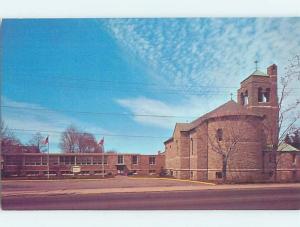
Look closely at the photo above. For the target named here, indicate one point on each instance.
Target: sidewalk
(150, 189)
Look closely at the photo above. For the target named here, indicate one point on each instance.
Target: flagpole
(48, 159)
(103, 160)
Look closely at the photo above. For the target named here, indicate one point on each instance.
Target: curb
(172, 179)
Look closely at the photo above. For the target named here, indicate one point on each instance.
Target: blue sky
(116, 69)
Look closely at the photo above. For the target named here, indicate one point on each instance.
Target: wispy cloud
(26, 116)
(185, 111)
(202, 54)
(212, 52)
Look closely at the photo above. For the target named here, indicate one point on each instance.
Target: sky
(131, 80)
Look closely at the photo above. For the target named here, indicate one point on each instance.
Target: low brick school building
(88, 164)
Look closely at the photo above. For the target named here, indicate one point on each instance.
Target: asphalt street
(219, 199)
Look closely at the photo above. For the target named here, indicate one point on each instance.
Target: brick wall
(17, 164)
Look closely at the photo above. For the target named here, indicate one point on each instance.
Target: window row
(135, 160)
(70, 160)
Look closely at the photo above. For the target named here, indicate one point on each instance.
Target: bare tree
(75, 141)
(3, 129)
(9, 142)
(69, 140)
(225, 141)
(289, 112)
(87, 143)
(294, 138)
(37, 141)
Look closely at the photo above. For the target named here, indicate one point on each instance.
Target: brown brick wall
(246, 160)
(142, 168)
(288, 167)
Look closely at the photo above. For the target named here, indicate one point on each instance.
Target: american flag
(46, 141)
(101, 142)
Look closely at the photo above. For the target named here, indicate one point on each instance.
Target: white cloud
(186, 111)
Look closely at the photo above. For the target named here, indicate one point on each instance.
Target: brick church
(237, 136)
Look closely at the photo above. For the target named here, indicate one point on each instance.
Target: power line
(98, 134)
(121, 82)
(125, 82)
(99, 113)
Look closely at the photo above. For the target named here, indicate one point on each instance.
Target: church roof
(231, 108)
(183, 126)
(258, 73)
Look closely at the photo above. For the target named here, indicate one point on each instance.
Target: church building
(234, 141)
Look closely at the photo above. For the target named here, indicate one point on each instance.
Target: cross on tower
(231, 96)
(255, 64)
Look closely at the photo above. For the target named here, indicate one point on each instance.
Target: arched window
(246, 100)
(242, 98)
(219, 134)
(260, 95)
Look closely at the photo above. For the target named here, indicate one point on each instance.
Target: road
(225, 199)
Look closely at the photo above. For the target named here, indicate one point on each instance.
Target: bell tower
(258, 93)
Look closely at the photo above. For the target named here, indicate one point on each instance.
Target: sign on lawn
(76, 169)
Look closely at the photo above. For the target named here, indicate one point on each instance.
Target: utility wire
(98, 113)
(97, 134)
(120, 82)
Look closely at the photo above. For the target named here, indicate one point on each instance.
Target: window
(219, 175)
(12, 160)
(242, 98)
(84, 173)
(33, 161)
(53, 160)
(134, 159)
(152, 160)
(120, 159)
(89, 160)
(260, 95)
(67, 160)
(81, 160)
(246, 100)
(152, 171)
(105, 159)
(97, 160)
(263, 96)
(219, 134)
(45, 160)
(32, 173)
